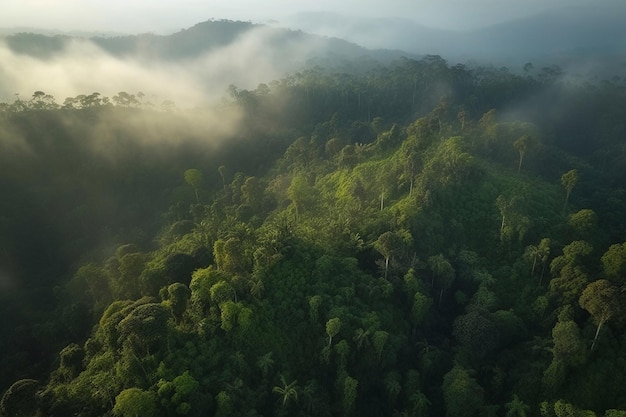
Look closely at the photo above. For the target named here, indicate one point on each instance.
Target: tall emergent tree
(332, 328)
(287, 391)
(193, 177)
(522, 144)
(601, 300)
(388, 245)
(569, 181)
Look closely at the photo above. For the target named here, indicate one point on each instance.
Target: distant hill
(202, 38)
(560, 36)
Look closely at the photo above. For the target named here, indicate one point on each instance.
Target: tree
(477, 332)
(387, 245)
(145, 326)
(314, 304)
(287, 391)
(419, 404)
(532, 252)
(614, 263)
(20, 400)
(222, 292)
(544, 252)
(602, 300)
(265, 364)
(443, 273)
(516, 408)
(522, 144)
(462, 395)
(252, 192)
(41, 100)
(536, 253)
(570, 276)
(421, 306)
(224, 403)
(222, 171)
(350, 386)
(179, 394)
(379, 340)
(300, 193)
(129, 269)
(584, 222)
(177, 296)
(506, 207)
(123, 99)
(568, 181)
(409, 158)
(71, 361)
(134, 402)
(392, 385)
(193, 177)
(332, 328)
(569, 347)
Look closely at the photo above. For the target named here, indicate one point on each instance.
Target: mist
(82, 67)
(555, 33)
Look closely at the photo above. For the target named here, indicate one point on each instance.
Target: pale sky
(166, 16)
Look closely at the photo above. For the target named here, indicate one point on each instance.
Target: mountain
(387, 32)
(200, 39)
(191, 66)
(557, 36)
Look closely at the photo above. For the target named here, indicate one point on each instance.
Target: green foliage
(603, 301)
(350, 386)
(462, 395)
(133, 402)
(516, 408)
(177, 298)
(332, 328)
(421, 306)
(20, 399)
(614, 263)
(178, 395)
(193, 177)
(277, 270)
(569, 347)
(477, 333)
(569, 181)
(570, 277)
(288, 392)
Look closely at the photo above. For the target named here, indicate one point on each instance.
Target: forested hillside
(417, 239)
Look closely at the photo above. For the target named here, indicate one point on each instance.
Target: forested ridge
(416, 239)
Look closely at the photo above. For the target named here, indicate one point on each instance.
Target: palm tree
(265, 363)
(568, 180)
(516, 408)
(392, 385)
(521, 145)
(533, 253)
(419, 404)
(361, 337)
(287, 391)
(239, 361)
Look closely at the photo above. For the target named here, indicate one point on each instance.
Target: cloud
(259, 55)
(83, 68)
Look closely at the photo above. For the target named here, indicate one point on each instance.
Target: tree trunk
(386, 265)
(595, 339)
(543, 268)
(566, 200)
